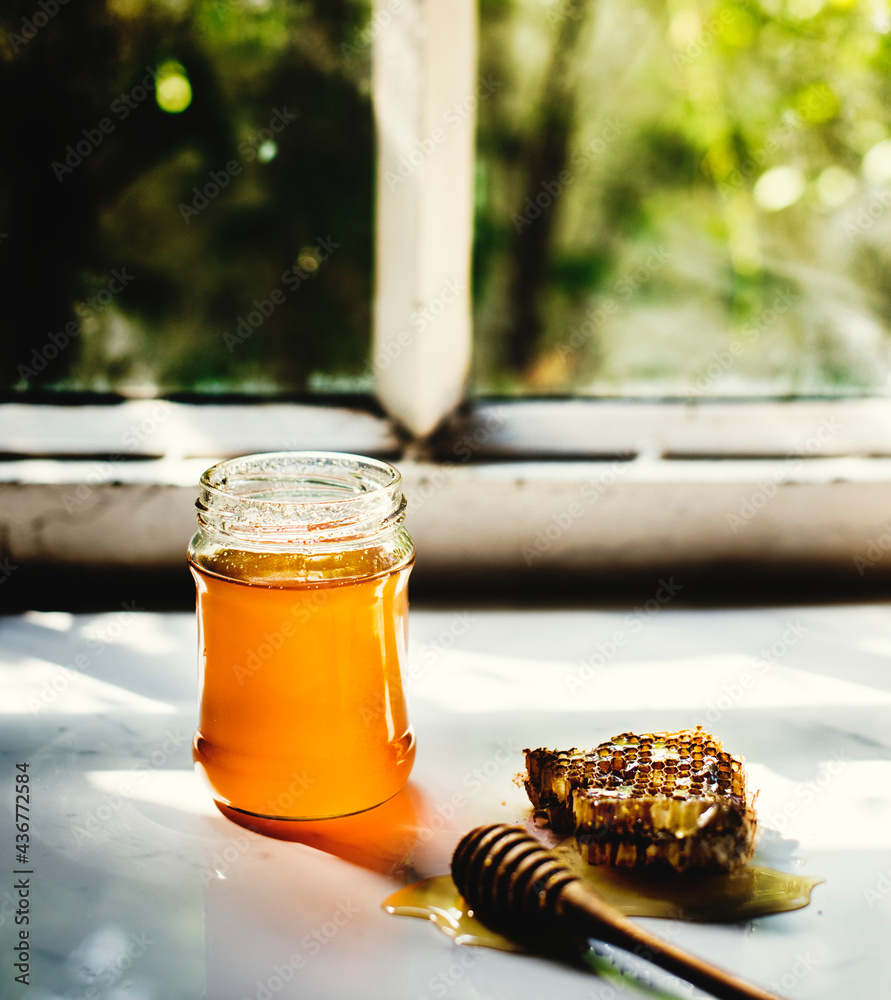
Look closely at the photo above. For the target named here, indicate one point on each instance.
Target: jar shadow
(381, 839)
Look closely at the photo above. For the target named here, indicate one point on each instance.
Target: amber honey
(753, 891)
(302, 641)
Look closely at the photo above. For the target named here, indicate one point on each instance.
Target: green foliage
(740, 144)
(212, 209)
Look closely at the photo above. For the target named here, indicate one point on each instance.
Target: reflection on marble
(142, 889)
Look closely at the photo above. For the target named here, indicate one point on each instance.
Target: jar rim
(300, 495)
(324, 459)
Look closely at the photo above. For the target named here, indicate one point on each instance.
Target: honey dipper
(519, 888)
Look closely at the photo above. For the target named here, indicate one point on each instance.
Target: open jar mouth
(301, 497)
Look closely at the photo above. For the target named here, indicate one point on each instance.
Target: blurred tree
(744, 146)
(258, 182)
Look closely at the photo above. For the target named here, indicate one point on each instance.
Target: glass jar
(301, 564)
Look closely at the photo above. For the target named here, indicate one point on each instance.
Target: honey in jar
(301, 564)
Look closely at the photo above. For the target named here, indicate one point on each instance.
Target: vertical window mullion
(425, 92)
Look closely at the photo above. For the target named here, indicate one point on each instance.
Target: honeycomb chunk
(666, 799)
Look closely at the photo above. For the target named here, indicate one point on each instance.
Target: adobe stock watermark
(563, 520)
(874, 894)
(300, 782)
(7, 568)
(65, 675)
(724, 360)
(605, 991)
(767, 489)
(604, 652)
(132, 438)
(45, 11)
(57, 342)
(292, 279)
(461, 624)
(506, 755)
(551, 189)
(707, 35)
(218, 864)
(271, 642)
(806, 791)
(875, 551)
(420, 321)
(221, 6)
(428, 654)
(310, 945)
(812, 107)
(362, 38)
(92, 138)
(761, 664)
(613, 963)
(447, 979)
(452, 119)
(802, 966)
(219, 180)
(609, 305)
(463, 449)
(97, 824)
(567, 10)
(867, 217)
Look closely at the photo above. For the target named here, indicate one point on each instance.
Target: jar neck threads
(302, 498)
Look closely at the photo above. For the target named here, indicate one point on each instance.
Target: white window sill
(489, 505)
(156, 428)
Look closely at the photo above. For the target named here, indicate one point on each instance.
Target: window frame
(424, 83)
(599, 486)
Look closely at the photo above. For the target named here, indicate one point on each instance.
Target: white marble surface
(142, 890)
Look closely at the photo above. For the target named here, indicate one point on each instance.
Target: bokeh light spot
(877, 163)
(685, 26)
(835, 186)
(306, 259)
(779, 188)
(173, 91)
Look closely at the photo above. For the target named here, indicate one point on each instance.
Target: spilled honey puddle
(754, 891)
(437, 900)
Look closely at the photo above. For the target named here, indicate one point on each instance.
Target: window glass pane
(684, 197)
(186, 195)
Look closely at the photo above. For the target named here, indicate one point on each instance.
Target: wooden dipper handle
(519, 888)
